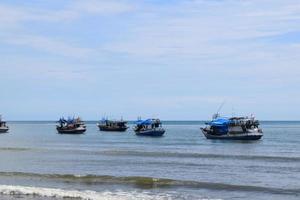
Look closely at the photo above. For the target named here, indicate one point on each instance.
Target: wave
(75, 194)
(162, 154)
(194, 155)
(14, 149)
(149, 182)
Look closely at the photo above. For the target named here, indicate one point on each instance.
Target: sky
(175, 59)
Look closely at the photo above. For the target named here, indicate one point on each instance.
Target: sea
(38, 163)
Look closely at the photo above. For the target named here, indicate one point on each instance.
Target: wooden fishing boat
(234, 128)
(71, 126)
(3, 127)
(149, 127)
(113, 126)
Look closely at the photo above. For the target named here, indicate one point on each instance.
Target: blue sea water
(38, 163)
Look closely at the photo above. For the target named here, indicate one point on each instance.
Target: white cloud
(14, 20)
(82, 8)
(203, 27)
(101, 7)
(182, 53)
(77, 9)
(49, 45)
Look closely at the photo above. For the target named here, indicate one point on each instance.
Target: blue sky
(150, 58)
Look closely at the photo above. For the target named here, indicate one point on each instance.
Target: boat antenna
(219, 109)
(221, 106)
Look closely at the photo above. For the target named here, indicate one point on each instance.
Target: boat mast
(217, 114)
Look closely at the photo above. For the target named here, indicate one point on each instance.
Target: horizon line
(166, 120)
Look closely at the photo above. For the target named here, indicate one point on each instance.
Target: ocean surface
(38, 163)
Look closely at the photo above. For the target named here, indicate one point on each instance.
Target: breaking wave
(148, 182)
(75, 194)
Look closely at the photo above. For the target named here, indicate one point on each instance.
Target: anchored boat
(112, 125)
(3, 127)
(71, 126)
(149, 127)
(234, 128)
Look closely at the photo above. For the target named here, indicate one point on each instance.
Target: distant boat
(149, 127)
(234, 128)
(3, 127)
(71, 126)
(112, 125)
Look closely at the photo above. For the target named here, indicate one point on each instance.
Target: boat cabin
(70, 123)
(232, 125)
(148, 124)
(2, 124)
(112, 123)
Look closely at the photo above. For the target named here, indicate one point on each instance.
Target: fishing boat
(234, 128)
(112, 125)
(71, 126)
(149, 127)
(3, 127)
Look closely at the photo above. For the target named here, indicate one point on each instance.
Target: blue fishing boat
(149, 127)
(234, 128)
(71, 126)
(3, 127)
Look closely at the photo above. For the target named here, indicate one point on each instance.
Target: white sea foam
(84, 195)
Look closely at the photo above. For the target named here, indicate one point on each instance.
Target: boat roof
(70, 120)
(147, 121)
(223, 121)
(113, 121)
(237, 118)
(219, 122)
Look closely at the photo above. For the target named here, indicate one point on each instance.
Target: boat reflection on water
(149, 127)
(71, 126)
